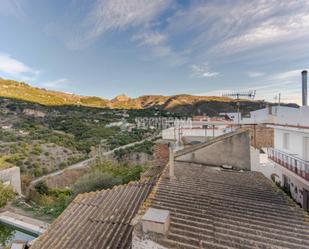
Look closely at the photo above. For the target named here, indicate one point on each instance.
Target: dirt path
(86, 162)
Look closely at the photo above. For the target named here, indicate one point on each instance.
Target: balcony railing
(292, 163)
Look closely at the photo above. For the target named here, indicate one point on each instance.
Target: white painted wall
(280, 115)
(261, 163)
(296, 145)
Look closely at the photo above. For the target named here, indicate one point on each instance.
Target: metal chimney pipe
(304, 88)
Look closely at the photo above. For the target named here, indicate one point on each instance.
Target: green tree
(6, 233)
(42, 188)
(6, 194)
(95, 180)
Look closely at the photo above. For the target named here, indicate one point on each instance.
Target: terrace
(291, 162)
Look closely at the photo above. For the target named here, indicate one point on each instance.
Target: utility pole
(279, 101)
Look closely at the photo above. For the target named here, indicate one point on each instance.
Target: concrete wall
(12, 175)
(232, 150)
(190, 139)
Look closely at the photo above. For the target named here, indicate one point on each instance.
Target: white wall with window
(286, 141)
(293, 141)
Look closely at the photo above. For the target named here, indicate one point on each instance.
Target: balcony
(290, 162)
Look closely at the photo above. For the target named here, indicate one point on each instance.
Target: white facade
(282, 115)
(288, 161)
(292, 140)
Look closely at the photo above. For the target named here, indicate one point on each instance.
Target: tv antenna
(238, 95)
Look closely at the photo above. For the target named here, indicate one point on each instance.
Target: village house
(287, 161)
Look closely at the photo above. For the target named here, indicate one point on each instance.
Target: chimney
(156, 221)
(171, 161)
(304, 88)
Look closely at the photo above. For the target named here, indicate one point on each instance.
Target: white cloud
(15, 68)
(202, 71)
(244, 26)
(108, 15)
(254, 74)
(12, 7)
(157, 42)
(150, 38)
(213, 93)
(288, 75)
(288, 84)
(272, 31)
(55, 84)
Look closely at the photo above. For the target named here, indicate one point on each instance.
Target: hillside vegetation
(210, 105)
(41, 139)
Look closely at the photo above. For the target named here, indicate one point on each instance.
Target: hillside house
(287, 161)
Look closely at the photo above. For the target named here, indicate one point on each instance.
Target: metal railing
(296, 165)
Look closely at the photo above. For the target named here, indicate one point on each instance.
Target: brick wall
(161, 153)
(261, 136)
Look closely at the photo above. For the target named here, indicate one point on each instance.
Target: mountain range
(183, 103)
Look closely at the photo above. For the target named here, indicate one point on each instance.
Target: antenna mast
(238, 95)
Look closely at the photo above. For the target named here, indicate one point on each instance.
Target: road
(86, 162)
(7, 143)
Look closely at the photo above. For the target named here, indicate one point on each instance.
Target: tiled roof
(97, 220)
(153, 171)
(217, 209)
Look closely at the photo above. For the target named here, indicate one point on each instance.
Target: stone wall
(12, 175)
(230, 149)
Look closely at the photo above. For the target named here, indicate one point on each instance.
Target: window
(286, 140)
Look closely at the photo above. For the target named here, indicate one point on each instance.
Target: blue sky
(137, 47)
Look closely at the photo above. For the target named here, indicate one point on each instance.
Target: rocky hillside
(23, 91)
(210, 105)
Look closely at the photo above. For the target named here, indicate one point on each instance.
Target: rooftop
(97, 220)
(206, 206)
(215, 208)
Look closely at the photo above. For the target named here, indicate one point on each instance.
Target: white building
(197, 131)
(288, 162)
(283, 115)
